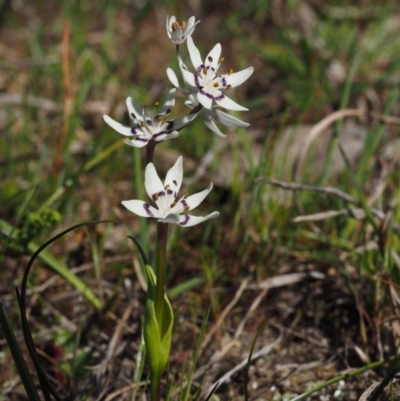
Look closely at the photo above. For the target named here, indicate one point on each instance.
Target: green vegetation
(317, 263)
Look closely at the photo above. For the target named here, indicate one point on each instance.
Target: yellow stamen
(155, 197)
(156, 104)
(215, 84)
(174, 26)
(186, 194)
(229, 87)
(159, 119)
(183, 24)
(142, 124)
(186, 208)
(204, 70)
(221, 59)
(230, 72)
(173, 204)
(133, 115)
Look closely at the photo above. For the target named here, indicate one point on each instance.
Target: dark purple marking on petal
(169, 191)
(220, 97)
(183, 223)
(203, 92)
(158, 134)
(148, 121)
(184, 203)
(170, 124)
(133, 131)
(200, 67)
(161, 193)
(196, 81)
(146, 207)
(224, 83)
(141, 139)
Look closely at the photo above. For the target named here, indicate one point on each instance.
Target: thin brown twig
(262, 352)
(292, 186)
(107, 363)
(123, 390)
(224, 313)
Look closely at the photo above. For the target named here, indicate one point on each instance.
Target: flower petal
(172, 77)
(227, 103)
(174, 176)
(205, 99)
(194, 55)
(190, 27)
(228, 120)
(212, 59)
(169, 23)
(138, 142)
(213, 127)
(188, 221)
(179, 123)
(239, 77)
(191, 79)
(169, 102)
(121, 129)
(163, 136)
(135, 111)
(171, 218)
(194, 200)
(190, 24)
(141, 208)
(152, 182)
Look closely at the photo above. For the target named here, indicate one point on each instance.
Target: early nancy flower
(179, 33)
(209, 116)
(150, 126)
(168, 207)
(212, 87)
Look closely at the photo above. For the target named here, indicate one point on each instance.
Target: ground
(300, 270)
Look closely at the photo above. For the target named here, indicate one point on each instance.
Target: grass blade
(17, 355)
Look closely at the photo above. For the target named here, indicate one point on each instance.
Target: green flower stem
(162, 234)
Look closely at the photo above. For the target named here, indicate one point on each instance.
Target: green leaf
(157, 335)
(17, 355)
(142, 252)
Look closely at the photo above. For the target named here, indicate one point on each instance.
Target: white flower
(150, 126)
(179, 33)
(208, 115)
(212, 87)
(165, 196)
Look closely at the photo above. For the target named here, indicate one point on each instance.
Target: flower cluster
(205, 93)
